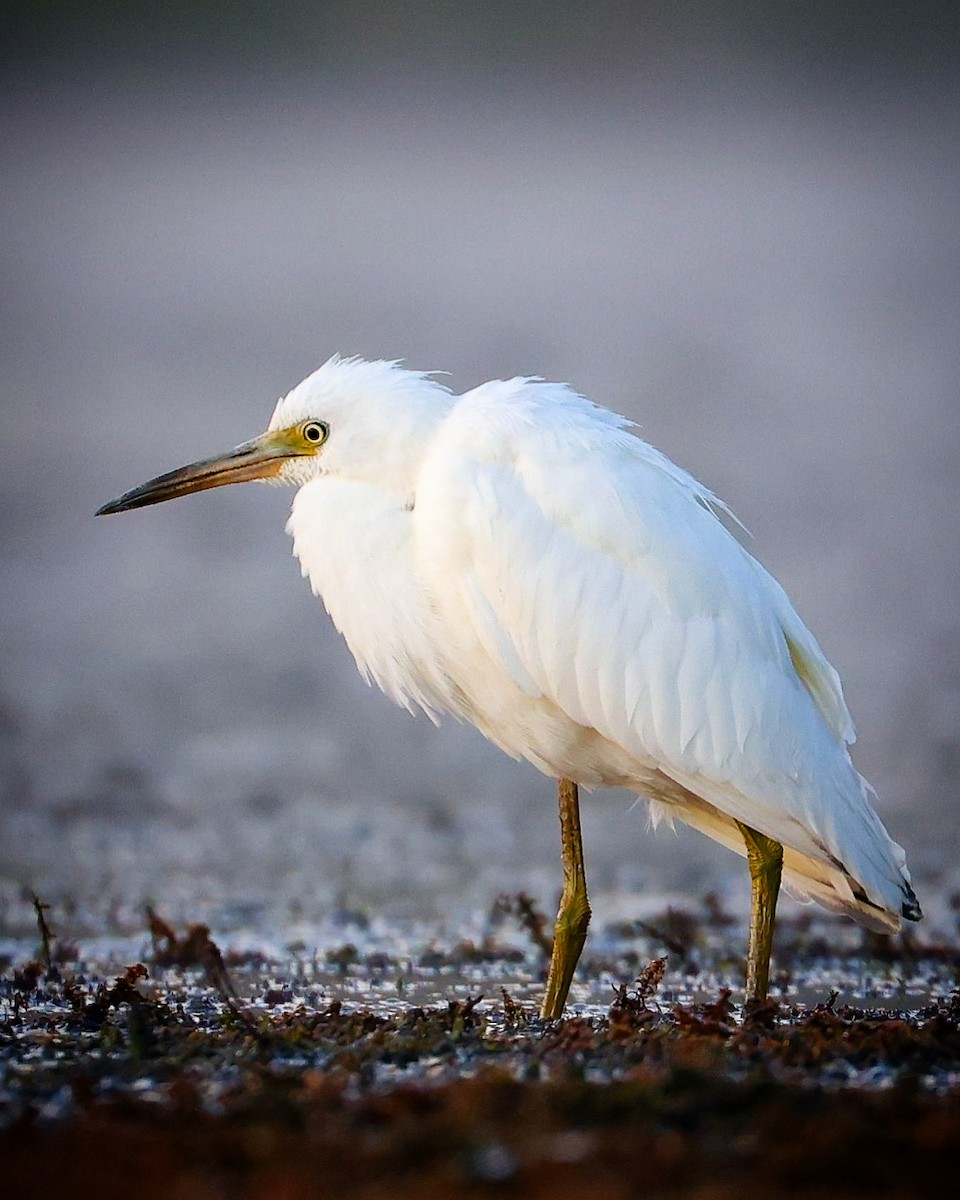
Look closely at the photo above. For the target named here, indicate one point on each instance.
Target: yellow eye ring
(315, 432)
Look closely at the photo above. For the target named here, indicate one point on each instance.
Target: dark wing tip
(910, 909)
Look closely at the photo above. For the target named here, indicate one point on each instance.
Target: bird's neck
(353, 541)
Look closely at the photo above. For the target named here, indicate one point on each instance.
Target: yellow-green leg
(765, 858)
(573, 917)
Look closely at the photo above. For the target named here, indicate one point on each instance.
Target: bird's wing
(598, 573)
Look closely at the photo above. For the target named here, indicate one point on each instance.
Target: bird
(519, 558)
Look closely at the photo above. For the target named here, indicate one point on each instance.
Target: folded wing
(599, 575)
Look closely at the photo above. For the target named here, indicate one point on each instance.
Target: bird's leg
(765, 858)
(573, 917)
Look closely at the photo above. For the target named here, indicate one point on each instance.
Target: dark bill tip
(168, 487)
(122, 504)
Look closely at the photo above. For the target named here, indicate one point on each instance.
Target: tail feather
(805, 877)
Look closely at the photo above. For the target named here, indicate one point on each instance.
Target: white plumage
(519, 558)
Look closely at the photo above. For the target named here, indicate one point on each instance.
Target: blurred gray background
(735, 224)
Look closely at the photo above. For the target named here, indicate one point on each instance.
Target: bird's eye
(315, 432)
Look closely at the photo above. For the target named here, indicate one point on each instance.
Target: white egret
(520, 558)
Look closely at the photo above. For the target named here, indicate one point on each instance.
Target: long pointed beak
(261, 458)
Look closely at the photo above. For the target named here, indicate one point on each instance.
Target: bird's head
(363, 420)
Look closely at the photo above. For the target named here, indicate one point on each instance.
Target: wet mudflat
(389, 1061)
